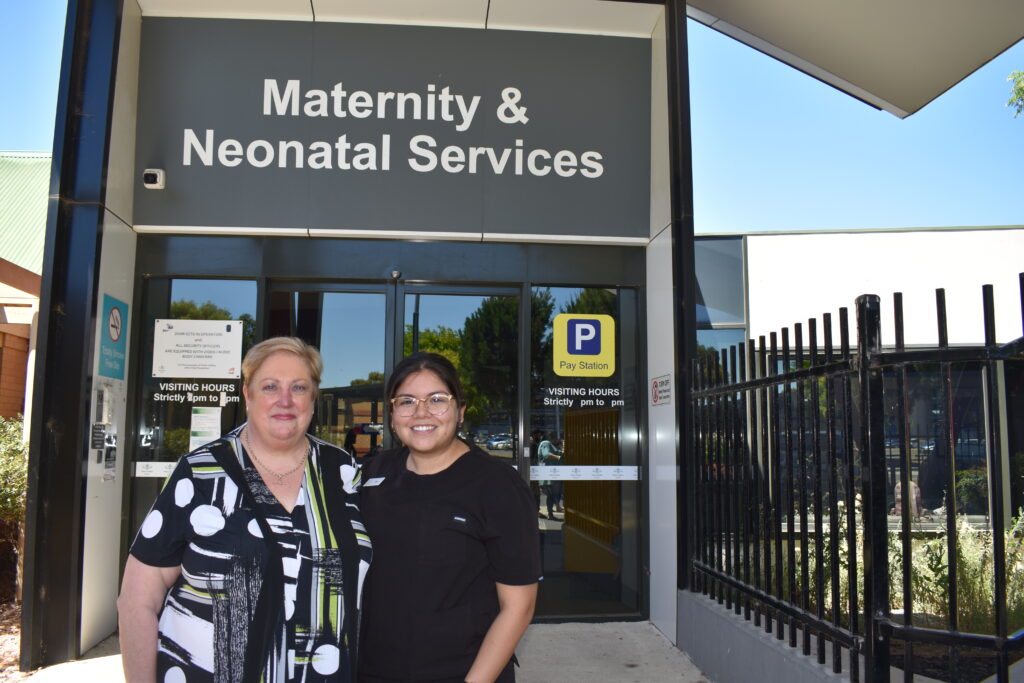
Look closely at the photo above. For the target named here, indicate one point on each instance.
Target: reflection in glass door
(479, 335)
(349, 329)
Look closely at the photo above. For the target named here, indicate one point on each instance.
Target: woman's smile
(426, 434)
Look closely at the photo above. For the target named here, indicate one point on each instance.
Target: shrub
(972, 491)
(13, 470)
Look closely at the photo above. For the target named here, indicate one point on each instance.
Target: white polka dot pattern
(184, 491)
(206, 520)
(326, 659)
(348, 475)
(154, 522)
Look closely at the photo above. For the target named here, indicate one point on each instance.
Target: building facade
(506, 183)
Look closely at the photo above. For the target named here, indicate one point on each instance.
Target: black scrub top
(440, 541)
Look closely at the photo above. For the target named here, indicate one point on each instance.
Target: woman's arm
(516, 611)
(138, 606)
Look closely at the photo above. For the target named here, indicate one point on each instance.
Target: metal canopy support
(64, 361)
(684, 283)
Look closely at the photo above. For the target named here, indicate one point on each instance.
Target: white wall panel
(101, 545)
(793, 277)
(661, 434)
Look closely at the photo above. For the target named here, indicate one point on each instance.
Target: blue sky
(773, 148)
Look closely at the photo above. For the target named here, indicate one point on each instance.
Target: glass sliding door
(552, 383)
(585, 450)
(479, 334)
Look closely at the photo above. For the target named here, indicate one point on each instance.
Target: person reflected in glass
(249, 565)
(456, 563)
(550, 455)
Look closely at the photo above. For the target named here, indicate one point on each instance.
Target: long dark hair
(424, 360)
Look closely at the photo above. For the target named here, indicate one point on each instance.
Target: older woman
(456, 553)
(249, 566)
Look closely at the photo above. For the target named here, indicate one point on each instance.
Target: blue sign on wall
(113, 339)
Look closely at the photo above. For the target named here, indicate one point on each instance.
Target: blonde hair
(258, 354)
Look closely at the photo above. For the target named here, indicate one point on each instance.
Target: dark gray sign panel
(370, 127)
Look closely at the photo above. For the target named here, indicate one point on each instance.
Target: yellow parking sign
(584, 345)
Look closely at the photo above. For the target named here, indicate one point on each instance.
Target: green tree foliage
(186, 309)
(593, 301)
(487, 358)
(442, 340)
(13, 470)
(1016, 92)
(373, 378)
(490, 343)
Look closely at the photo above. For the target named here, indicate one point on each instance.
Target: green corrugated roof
(24, 186)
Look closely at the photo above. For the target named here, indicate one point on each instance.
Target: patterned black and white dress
(243, 608)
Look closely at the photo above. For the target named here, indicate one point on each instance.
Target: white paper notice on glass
(205, 427)
(197, 349)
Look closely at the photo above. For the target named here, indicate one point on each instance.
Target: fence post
(873, 488)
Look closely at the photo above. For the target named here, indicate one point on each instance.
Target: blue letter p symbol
(584, 337)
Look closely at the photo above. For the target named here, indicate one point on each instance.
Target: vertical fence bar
(711, 493)
(756, 505)
(788, 488)
(777, 480)
(707, 412)
(735, 444)
(695, 489)
(833, 493)
(996, 497)
(908, 500)
(851, 496)
(816, 481)
(733, 480)
(876, 531)
(950, 500)
(801, 450)
(722, 552)
(767, 468)
(742, 495)
(706, 498)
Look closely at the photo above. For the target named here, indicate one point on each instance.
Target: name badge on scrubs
(376, 481)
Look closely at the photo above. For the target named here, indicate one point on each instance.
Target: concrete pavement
(617, 652)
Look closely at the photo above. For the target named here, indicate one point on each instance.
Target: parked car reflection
(500, 442)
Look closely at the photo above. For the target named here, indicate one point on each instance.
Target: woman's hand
(516, 611)
(138, 606)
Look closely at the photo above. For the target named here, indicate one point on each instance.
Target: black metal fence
(864, 501)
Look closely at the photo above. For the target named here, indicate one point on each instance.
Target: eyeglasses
(437, 404)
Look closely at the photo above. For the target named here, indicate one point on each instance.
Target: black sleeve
(164, 533)
(510, 529)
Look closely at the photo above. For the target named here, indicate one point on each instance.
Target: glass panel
(165, 417)
(350, 407)
(719, 269)
(584, 440)
(479, 335)
(348, 328)
(713, 341)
